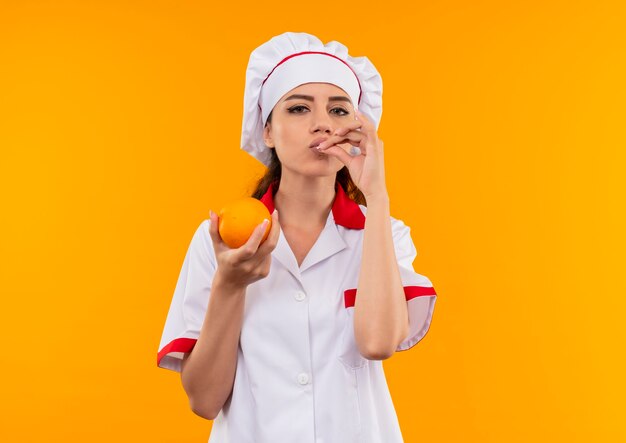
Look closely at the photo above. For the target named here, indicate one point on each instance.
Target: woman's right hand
(248, 263)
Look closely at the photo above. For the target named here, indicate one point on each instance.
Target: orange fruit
(239, 218)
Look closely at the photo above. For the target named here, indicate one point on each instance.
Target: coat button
(303, 378)
(299, 296)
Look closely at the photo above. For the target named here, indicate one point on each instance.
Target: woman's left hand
(367, 168)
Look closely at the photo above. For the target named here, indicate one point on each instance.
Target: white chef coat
(300, 377)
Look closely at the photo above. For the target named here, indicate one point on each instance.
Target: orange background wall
(504, 139)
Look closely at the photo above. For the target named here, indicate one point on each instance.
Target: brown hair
(273, 172)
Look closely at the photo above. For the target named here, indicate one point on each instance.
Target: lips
(317, 141)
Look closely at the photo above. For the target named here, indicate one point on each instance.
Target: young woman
(283, 341)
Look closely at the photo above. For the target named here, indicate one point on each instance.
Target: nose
(321, 121)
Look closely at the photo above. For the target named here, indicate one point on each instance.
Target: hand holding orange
(239, 218)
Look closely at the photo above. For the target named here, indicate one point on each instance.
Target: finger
(214, 232)
(272, 239)
(368, 124)
(340, 153)
(353, 126)
(353, 137)
(355, 151)
(249, 248)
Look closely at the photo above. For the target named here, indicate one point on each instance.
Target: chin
(318, 167)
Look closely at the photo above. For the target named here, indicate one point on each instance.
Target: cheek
(291, 138)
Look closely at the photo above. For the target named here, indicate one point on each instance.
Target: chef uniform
(300, 377)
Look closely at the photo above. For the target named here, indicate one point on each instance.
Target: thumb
(339, 153)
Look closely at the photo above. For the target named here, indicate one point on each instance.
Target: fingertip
(261, 228)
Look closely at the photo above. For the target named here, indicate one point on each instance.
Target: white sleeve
(189, 302)
(418, 290)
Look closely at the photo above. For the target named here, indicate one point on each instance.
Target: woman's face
(307, 113)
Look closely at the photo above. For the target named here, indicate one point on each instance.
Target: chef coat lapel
(285, 256)
(345, 212)
(327, 244)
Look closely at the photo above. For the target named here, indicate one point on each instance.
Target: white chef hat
(292, 59)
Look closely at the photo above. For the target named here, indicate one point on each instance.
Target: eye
(294, 109)
(343, 111)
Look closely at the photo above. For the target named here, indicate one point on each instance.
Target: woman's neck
(304, 202)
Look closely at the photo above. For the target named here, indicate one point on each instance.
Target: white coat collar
(345, 212)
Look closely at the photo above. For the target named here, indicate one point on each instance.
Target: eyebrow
(336, 98)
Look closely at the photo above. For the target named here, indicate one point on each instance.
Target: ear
(267, 138)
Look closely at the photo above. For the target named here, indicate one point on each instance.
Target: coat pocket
(349, 353)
